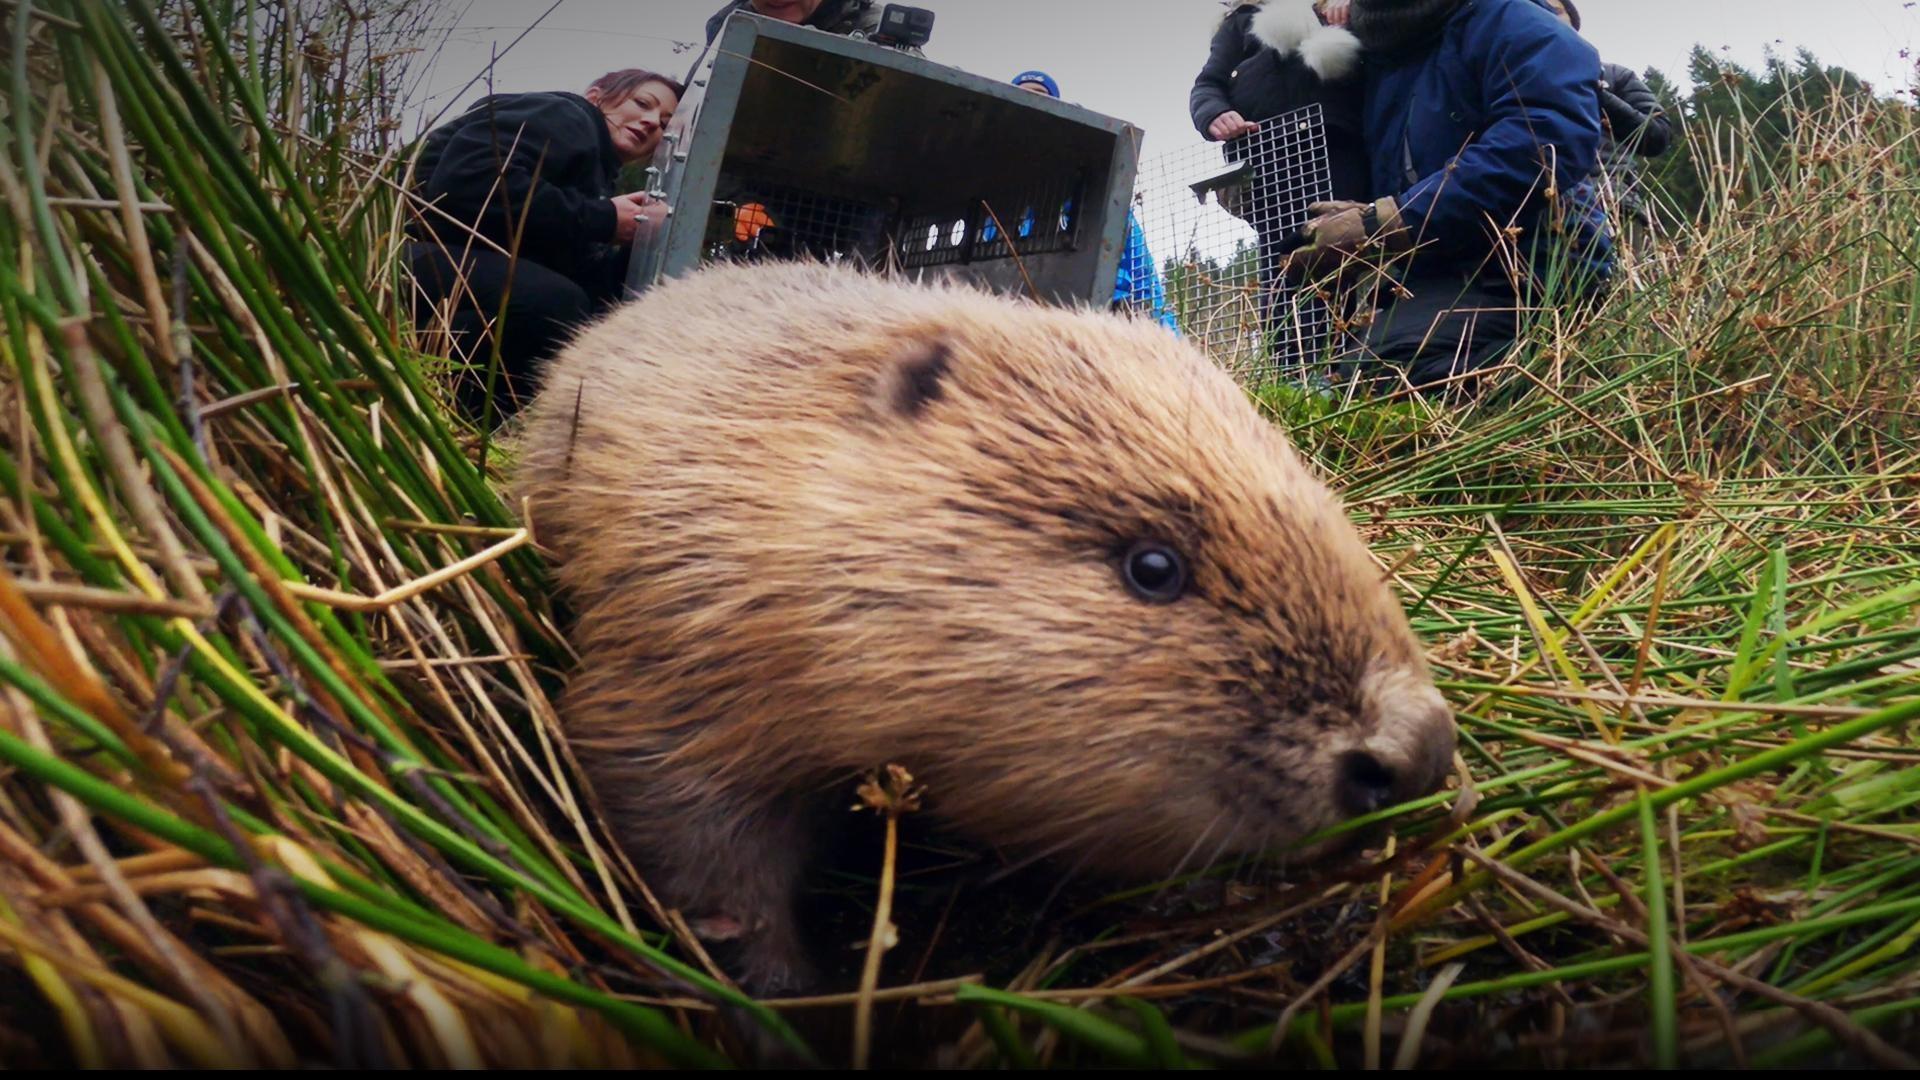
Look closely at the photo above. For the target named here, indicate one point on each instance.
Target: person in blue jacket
(1137, 285)
(1483, 127)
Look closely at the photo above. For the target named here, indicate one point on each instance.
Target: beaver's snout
(1406, 755)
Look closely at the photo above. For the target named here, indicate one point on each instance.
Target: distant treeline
(1727, 109)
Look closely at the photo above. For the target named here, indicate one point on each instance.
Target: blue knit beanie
(1041, 77)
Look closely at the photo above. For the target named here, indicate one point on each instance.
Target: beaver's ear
(914, 378)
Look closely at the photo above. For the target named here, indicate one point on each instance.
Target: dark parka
(849, 17)
(480, 169)
(1636, 128)
(1461, 129)
(1635, 120)
(1267, 59)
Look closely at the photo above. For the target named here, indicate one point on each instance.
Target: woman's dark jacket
(541, 165)
(1268, 59)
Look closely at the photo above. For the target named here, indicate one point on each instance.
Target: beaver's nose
(1407, 757)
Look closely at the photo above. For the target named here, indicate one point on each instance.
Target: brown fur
(813, 522)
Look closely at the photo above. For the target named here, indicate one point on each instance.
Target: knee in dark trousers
(542, 310)
(1450, 325)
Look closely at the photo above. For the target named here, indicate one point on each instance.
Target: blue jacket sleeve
(1539, 83)
(1131, 286)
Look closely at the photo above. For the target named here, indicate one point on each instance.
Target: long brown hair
(617, 86)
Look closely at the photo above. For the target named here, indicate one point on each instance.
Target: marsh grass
(282, 778)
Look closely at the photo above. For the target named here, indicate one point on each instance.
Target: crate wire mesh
(758, 220)
(1040, 220)
(753, 221)
(1220, 216)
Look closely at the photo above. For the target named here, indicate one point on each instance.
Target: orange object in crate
(748, 220)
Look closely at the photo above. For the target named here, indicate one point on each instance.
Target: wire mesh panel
(756, 220)
(771, 221)
(1041, 219)
(1223, 218)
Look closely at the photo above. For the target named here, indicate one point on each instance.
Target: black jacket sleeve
(485, 174)
(1634, 112)
(719, 18)
(1212, 87)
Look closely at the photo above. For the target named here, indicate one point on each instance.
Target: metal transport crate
(795, 143)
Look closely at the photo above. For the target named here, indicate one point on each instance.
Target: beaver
(1054, 562)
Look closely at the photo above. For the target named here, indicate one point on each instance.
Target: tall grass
(282, 779)
(342, 823)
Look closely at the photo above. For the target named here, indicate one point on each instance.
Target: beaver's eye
(1154, 572)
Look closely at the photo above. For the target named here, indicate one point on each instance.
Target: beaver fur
(811, 522)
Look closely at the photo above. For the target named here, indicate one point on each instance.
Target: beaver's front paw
(717, 928)
(767, 953)
(775, 966)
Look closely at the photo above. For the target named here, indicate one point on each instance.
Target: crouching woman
(519, 234)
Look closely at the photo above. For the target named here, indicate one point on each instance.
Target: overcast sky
(1133, 59)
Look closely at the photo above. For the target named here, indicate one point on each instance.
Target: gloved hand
(1623, 118)
(1336, 226)
(1342, 228)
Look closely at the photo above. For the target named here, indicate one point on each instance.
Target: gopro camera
(904, 27)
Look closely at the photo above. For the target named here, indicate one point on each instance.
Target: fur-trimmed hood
(1290, 26)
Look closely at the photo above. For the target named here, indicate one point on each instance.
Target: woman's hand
(1336, 12)
(635, 213)
(1229, 125)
